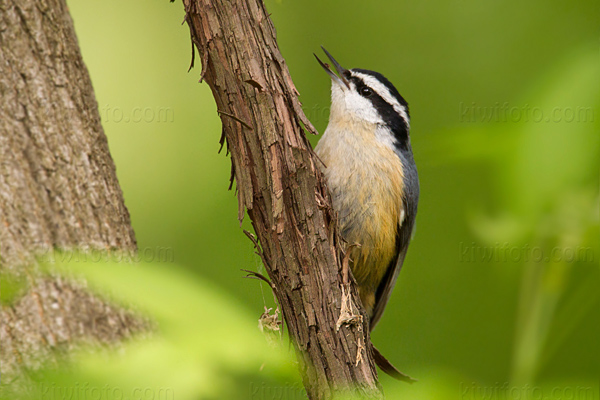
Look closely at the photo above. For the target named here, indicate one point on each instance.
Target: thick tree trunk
(58, 187)
(278, 182)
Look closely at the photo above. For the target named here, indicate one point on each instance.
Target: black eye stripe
(361, 88)
(383, 80)
(386, 111)
(375, 98)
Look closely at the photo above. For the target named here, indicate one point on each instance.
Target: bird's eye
(366, 91)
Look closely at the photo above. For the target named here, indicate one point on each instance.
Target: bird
(369, 168)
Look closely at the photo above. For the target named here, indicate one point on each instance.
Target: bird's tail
(388, 368)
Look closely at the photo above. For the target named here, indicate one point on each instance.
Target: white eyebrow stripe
(385, 94)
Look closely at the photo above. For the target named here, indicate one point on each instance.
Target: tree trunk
(279, 183)
(58, 187)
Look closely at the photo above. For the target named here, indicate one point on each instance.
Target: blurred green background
(498, 297)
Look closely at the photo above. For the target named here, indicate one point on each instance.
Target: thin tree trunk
(58, 188)
(279, 183)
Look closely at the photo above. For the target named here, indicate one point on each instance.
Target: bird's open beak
(341, 79)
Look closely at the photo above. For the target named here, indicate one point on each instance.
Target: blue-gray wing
(405, 231)
(389, 281)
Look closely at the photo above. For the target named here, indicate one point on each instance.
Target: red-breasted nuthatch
(371, 173)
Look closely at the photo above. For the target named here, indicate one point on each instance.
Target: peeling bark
(58, 188)
(280, 186)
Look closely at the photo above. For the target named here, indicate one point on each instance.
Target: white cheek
(361, 108)
(348, 104)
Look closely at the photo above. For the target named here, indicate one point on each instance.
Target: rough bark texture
(58, 187)
(278, 182)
